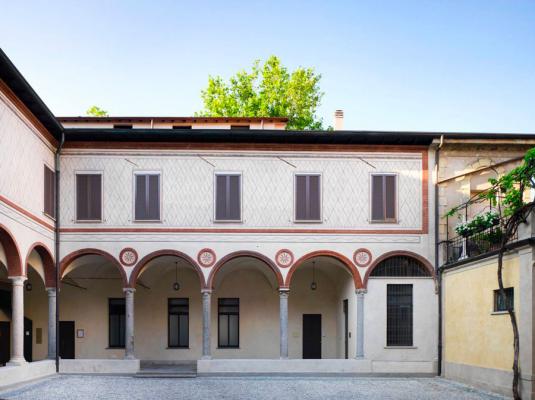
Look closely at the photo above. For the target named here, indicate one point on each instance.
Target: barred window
(502, 303)
(400, 266)
(399, 315)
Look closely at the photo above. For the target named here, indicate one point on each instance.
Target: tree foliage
(508, 194)
(95, 111)
(267, 90)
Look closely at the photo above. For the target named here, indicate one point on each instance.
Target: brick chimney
(339, 120)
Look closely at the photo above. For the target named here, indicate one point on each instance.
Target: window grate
(399, 315)
(400, 266)
(502, 303)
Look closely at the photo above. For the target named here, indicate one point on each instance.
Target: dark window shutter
(390, 197)
(154, 197)
(300, 197)
(307, 198)
(49, 192)
(228, 200)
(141, 196)
(82, 201)
(314, 194)
(220, 197)
(95, 190)
(377, 198)
(88, 197)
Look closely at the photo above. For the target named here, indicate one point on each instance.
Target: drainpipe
(56, 237)
(437, 262)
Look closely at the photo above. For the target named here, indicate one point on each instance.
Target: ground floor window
(178, 322)
(116, 308)
(228, 312)
(399, 315)
(503, 303)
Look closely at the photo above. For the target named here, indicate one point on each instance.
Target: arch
(69, 258)
(14, 261)
(48, 262)
(244, 253)
(346, 262)
(427, 265)
(159, 253)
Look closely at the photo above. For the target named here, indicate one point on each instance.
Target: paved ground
(257, 388)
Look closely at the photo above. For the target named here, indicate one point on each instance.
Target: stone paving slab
(77, 387)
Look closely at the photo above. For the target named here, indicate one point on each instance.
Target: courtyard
(73, 387)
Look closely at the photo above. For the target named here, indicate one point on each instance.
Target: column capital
(361, 291)
(129, 290)
(284, 291)
(51, 291)
(206, 291)
(17, 280)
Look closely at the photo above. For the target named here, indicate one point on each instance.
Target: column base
(130, 358)
(17, 362)
(206, 357)
(283, 358)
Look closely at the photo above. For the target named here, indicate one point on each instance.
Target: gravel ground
(75, 387)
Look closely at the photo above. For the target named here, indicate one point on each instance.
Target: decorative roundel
(362, 257)
(206, 257)
(284, 258)
(128, 256)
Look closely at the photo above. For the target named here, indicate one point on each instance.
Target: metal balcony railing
(476, 244)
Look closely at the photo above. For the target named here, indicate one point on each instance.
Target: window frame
(45, 212)
(394, 220)
(219, 345)
(214, 189)
(135, 173)
(411, 345)
(169, 346)
(307, 221)
(496, 293)
(110, 299)
(88, 172)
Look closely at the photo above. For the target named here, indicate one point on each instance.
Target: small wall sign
(80, 333)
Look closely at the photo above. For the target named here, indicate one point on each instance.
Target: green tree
(95, 111)
(267, 90)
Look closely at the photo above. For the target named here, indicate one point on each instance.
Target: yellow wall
(472, 334)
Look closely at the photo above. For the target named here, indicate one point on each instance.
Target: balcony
(476, 242)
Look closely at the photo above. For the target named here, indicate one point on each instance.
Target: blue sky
(394, 65)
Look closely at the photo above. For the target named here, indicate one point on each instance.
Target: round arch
(159, 253)
(14, 261)
(346, 262)
(69, 258)
(48, 263)
(269, 263)
(425, 263)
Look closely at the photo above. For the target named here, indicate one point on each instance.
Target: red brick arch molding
(267, 261)
(14, 261)
(346, 262)
(69, 258)
(427, 265)
(47, 260)
(160, 253)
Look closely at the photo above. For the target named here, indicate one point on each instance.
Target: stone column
(51, 323)
(129, 323)
(206, 324)
(360, 323)
(17, 321)
(283, 315)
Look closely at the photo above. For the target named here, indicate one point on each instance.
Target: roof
(172, 119)
(12, 77)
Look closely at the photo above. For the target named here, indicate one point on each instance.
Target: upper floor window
(88, 197)
(147, 197)
(308, 197)
(181, 126)
(502, 303)
(240, 127)
(50, 192)
(123, 126)
(383, 198)
(228, 197)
